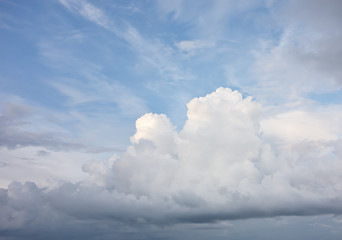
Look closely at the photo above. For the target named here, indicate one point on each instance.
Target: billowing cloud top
(221, 165)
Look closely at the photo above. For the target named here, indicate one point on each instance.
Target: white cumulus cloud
(220, 166)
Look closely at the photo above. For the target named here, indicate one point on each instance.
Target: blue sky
(169, 119)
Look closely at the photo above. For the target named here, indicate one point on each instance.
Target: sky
(183, 119)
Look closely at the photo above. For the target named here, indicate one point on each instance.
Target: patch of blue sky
(69, 48)
(163, 58)
(331, 98)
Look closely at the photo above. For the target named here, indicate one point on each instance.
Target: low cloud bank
(222, 165)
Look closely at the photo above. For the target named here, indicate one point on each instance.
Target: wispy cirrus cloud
(151, 52)
(102, 92)
(88, 83)
(190, 47)
(213, 18)
(88, 11)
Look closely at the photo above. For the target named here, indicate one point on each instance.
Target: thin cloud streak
(152, 52)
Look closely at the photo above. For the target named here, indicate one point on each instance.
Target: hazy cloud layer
(305, 59)
(219, 166)
(18, 130)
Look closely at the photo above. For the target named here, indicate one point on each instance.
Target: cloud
(156, 54)
(97, 91)
(36, 144)
(214, 15)
(23, 125)
(13, 119)
(151, 52)
(317, 15)
(304, 59)
(298, 125)
(190, 47)
(88, 11)
(88, 84)
(220, 166)
(299, 65)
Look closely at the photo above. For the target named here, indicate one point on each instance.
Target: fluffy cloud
(220, 166)
(302, 125)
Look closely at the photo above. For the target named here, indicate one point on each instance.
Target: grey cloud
(15, 111)
(16, 116)
(43, 153)
(13, 117)
(324, 16)
(304, 60)
(14, 138)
